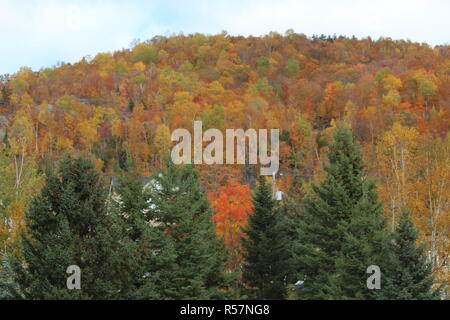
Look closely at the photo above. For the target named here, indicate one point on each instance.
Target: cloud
(39, 33)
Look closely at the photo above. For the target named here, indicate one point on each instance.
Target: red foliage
(232, 205)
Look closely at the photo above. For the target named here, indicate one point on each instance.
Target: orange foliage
(232, 205)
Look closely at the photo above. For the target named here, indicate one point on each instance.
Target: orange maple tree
(232, 204)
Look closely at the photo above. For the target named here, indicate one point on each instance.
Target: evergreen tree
(8, 287)
(409, 275)
(131, 105)
(341, 231)
(151, 250)
(6, 95)
(198, 258)
(266, 248)
(365, 243)
(132, 201)
(67, 224)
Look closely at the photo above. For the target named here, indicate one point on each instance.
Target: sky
(41, 33)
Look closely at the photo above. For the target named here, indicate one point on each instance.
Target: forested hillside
(394, 95)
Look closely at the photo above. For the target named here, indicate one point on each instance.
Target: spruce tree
(197, 258)
(365, 243)
(341, 231)
(409, 275)
(8, 287)
(67, 224)
(150, 251)
(132, 201)
(267, 254)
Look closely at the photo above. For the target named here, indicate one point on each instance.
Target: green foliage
(186, 67)
(146, 53)
(267, 254)
(408, 275)
(261, 86)
(68, 225)
(65, 103)
(365, 243)
(427, 88)
(5, 95)
(19, 85)
(380, 75)
(150, 251)
(225, 81)
(198, 256)
(292, 67)
(392, 99)
(15, 194)
(215, 118)
(8, 287)
(121, 67)
(263, 62)
(341, 231)
(131, 105)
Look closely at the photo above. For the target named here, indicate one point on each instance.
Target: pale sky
(40, 33)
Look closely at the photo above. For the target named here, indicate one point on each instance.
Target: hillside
(395, 95)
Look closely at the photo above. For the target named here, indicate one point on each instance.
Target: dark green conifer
(267, 252)
(198, 258)
(409, 275)
(341, 231)
(68, 224)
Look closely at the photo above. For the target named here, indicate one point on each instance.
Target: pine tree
(197, 268)
(341, 231)
(67, 224)
(266, 249)
(409, 275)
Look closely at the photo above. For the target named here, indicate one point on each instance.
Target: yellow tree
(19, 180)
(391, 82)
(431, 200)
(162, 143)
(391, 100)
(396, 152)
(183, 111)
(21, 139)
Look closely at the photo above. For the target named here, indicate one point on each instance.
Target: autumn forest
(373, 113)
